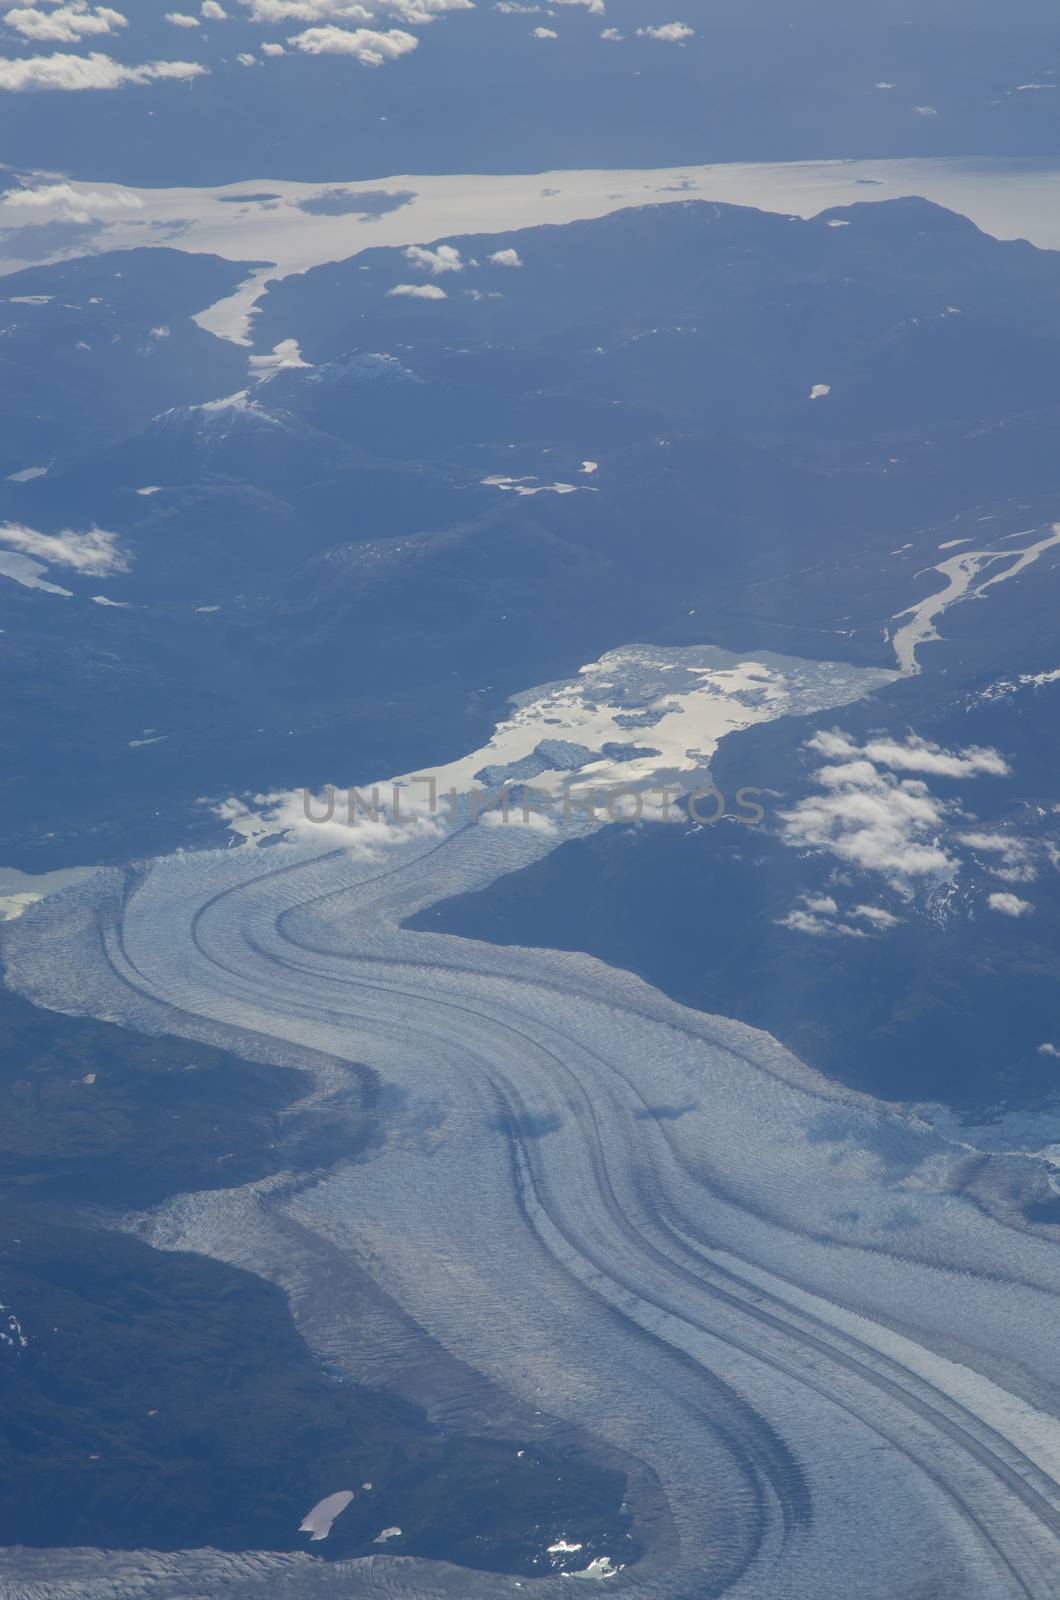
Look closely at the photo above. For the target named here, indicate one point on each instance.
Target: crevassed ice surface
(817, 1334)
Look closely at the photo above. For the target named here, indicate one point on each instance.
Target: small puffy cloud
(545, 33)
(272, 49)
(419, 291)
(595, 6)
(816, 915)
(414, 12)
(65, 203)
(446, 258)
(611, 33)
(307, 10)
(668, 32)
(819, 391)
(368, 46)
(212, 11)
(1008, 856)
(95, 71)
(418, 12)
(1048, 1050)
(96, 553)
(506, 258)
(918, 755)
(247, 59)
(915, 755)
(64, 24)
(876, 915)
(1009, 905)
(925, 111)
(180, 19)
(819, 915)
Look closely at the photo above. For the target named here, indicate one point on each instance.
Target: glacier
(818, 1335)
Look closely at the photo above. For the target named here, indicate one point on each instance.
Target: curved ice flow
(626, 1213)
(815, 1333)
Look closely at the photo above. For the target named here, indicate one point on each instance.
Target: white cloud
(506, 258)
(1010, 905)
(814, 915)
(925, 111)
(545, 33)
(915, 755)
(419, 291)
(307, 10)
(366, 45)
(876, 915)
(595, 6)
(1011, 855)
(96, 552)
(212, 11)
(414, 12)
(919, 755)
(180, 19)
(65, 24)
(271, 49)
(819, 915)
(72, 205)
(867, 816)
(95, 71)
(819, 391)
(1048, 1050)
(668, 32)
(611, 33)
(247, 59)
(446, 258)
(418, 12)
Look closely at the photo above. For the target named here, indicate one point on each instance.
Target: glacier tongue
(620, 1214)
